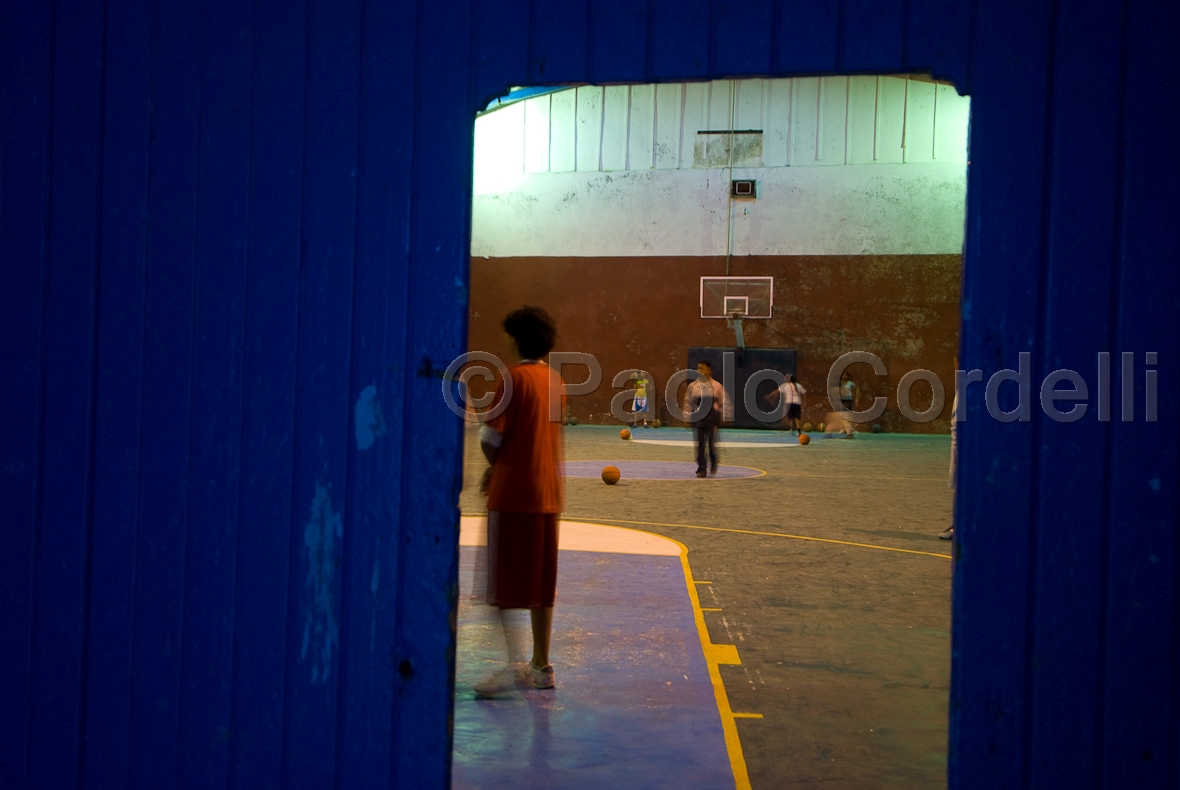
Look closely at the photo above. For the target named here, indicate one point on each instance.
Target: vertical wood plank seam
(847, 115)
(934, 126)
(1107, 427)
(39, 482)
(655, 110)
(876, 113)
(905, 119)
(764, 107)
(819, 119)
(92, 460)
(627, 129)
(300, 274)
(195, 280)
(790, 135)
(1037, 425)
(655, 126)
(548, 151)
(231, 756)
(601, 124)
(407, 371)
(153, 49)
(348, 495)
(683, 110)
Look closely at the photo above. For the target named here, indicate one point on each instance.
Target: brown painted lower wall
(645, 313)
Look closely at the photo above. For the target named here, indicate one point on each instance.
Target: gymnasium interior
(241, 245)
(809, 578)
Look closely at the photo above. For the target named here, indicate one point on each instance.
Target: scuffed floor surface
(634, 705)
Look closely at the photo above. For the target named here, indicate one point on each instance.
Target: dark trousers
(705, 435)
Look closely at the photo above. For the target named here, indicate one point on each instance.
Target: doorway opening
(611, 206)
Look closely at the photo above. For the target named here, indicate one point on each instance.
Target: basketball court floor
(783, 623)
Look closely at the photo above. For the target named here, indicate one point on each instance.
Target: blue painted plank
(557, 41)
(678, 40)
(57, 685)
(126, 129)
(617, 38)
(938, 35)
(872, 35)
(807, 38)
(272, 324)
(26, 31)
(373, 496)
(438, 270)
(741, 37)
(1142, 642)
(167, 394)
(995, 501)
(223, 206)
(322, 405)
(1071, 508)
(500, 47)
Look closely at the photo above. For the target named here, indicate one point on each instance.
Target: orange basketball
(624, 434)
(610, 475)
(804, 439)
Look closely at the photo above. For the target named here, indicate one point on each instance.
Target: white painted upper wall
(845, 165)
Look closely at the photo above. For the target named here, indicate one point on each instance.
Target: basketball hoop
(734, 321)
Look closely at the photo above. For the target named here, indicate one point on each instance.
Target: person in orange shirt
(525, 494)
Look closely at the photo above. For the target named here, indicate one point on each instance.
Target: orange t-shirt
(526, 477)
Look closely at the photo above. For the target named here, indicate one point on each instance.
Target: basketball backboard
(742, 297)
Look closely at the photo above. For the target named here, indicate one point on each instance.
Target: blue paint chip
(369, 421)
(321, 631)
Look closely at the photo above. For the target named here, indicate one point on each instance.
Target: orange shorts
(522, 560)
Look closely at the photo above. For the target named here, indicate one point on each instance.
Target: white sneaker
(500, 683)
(541, 677)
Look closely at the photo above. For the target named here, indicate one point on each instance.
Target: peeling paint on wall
(727, 149)
(370, 423)
(321, 633)
(844, 210)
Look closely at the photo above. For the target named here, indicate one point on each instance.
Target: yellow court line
(728, 653)
(868, 477)
(709, 609)
(766, 534)
(715, 655)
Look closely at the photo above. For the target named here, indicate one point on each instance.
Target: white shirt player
(791, 393)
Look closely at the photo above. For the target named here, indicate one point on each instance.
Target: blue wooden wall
(221, 222)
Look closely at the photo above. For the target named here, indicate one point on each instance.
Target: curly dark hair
(533, 329)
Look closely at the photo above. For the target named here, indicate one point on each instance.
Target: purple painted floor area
(633, 707)
(654, 470)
